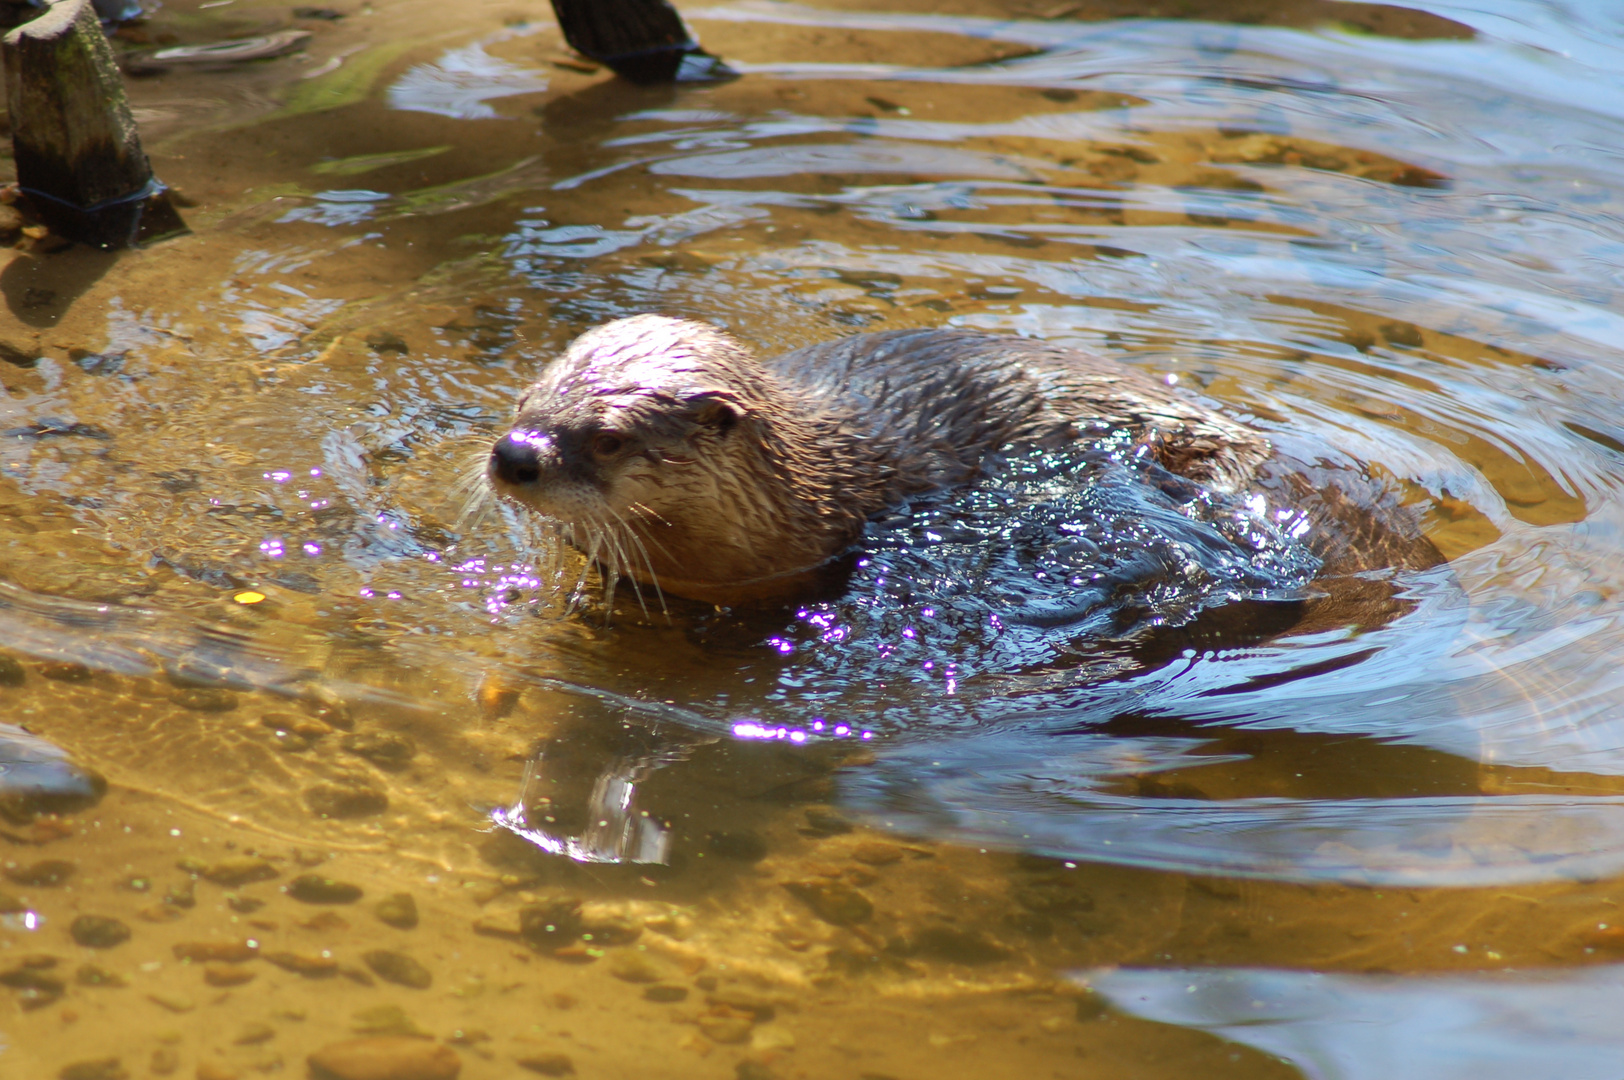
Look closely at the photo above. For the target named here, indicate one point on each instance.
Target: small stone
(205, 699)
(768, 1038)
(243, 905)
(192, 865)
(755, 1070)
(161, 913)
(224, 975)
(744, 845)
(165, 1060)
(324, 921)
(503, 925)
(877, 853)
(665, 993)
(254, 1034)
(726, 1027)
(833, 902)
(551, 923)
(398, 968)
(384, 1020)
(99, 931)
(229, 952)
(318, 889)
(356, 975)
(241, 871)
(11, 905)
(398, 910)
(345, 800)
(11, 672)
(183, 895)
(91, 975)
(311, 967)
(385, 1058)
(821, 821)
(64, 671)
(175, 1003)
(215, 1070)
(602, 927)
(549, 1064)
(384, 749)
(379, 341)
(47, 873)
(99, 1069)
(636, 967)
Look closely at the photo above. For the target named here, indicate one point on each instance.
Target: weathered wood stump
(79, 158)
(645, 41)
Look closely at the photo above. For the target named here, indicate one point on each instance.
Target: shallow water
(879, 847)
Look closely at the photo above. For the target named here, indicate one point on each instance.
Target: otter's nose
(516, 458)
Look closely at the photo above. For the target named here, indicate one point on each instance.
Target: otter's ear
(720, 414)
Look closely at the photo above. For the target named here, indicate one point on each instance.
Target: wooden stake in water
(645, 41)
(79, 158)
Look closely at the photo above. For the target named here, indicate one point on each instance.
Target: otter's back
(968, 394)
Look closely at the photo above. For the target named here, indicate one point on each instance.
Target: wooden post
(645, 41)
(79, 159)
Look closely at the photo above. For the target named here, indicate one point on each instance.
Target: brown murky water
(238, 577)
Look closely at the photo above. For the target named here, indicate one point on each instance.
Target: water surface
(240, 583)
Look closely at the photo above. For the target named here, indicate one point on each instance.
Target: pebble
(821, 821)
(604, 926)
(214, 1070)
(311, 967)
(229, 952)
(345, 800)
(318, 889)
(770, 1037)
(726, 1027)
(398, 968)
(665, 993)
(385, 749)
(551, 923)
(877, 853)
(175, 1003)
(65, 671)
(549, 1064)
(11, 672)
(205, 699)
(46, 873)
(833, 902)
(385, 1057)
(384, 1020)
(242, 871)
(324, 921)
(91, 975)
(99, 1069)
(165, 1060)
(99, 931)
(398, 910)
(226, 975)
(254, 1034)
(637, 967)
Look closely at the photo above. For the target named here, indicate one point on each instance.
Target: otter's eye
(607, 445)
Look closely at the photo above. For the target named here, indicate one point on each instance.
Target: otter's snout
(516, 458)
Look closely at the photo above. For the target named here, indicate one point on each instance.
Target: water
(881, 842)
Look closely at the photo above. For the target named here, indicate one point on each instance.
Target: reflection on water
(1343, 1027)
(240, 582)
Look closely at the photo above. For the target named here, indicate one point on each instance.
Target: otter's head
(649, 442)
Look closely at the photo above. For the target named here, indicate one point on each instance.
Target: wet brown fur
(737, 479)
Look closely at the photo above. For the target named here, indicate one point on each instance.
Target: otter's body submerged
(671, 455)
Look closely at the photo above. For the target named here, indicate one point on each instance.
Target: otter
(669, 454)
